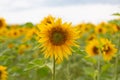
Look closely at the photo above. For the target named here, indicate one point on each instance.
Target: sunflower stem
(53, 75)
(116, 62)
(116, 68)
(98, 66)
(68, 71)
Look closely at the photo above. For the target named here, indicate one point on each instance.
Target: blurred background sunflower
(3, 73)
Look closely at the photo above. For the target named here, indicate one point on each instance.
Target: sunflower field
(58, 50)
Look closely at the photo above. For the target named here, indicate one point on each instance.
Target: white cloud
(20, 11)
(75, 14)
(15, 5)
(20, 4)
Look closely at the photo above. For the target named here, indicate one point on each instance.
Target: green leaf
(89, 71)
(29, 67)
(116, 14)
(78, 50)
(106, 67)
(90, 60)
(44, 71)
(29, 24)
(37, 63)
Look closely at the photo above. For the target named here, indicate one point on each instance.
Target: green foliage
(31, 64)
(116, 14)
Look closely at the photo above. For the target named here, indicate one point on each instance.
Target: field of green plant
(57, 50)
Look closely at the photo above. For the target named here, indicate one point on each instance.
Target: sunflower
(3, 32)
(108, 49)
(23, 47)
(93, 48)
(91, 37)
(57, 39)
(23, 30)
(82, 29)
(29, 34)
(100, 29)
(118, 28)
(11, 45)
(3, 73)
(2, 23)
(48, 20)
(14, 33)
(112, 28)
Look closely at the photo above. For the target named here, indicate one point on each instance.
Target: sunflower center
(15, 33)
(48, 21)
(95, 50)
(1, 23)
(107, 49)
(118, 27)
(100, 30)
(91, 38)
(57, 36)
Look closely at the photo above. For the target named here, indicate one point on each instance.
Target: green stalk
(53, 75)
(116, 68)
(98, 67)
(116, 62)
(68, 70)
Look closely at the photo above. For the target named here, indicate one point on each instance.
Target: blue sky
(76, 2)
(20, 11)
(26, 4)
